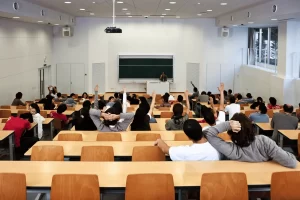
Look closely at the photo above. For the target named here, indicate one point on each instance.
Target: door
(77, 78)
(99, 76)
(45, 80)
(63, 78)
(192, 75)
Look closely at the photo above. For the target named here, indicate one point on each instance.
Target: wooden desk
(160, 125)
(72, 148)
(15, 111)
(113, 175)
(157, 112)
(265, 126)
(290, 134)
(10, 136)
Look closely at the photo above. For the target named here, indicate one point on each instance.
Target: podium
(158, 86)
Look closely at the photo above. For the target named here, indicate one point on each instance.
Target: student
(52, 91)
(239, 100)
(177, 121)
(171, 98)
(215, 101)
(209, 93)
(229, 95)
(211, 116)
(113, 119)
(59, 114)
(284, 121)
(84, 97)
(117, 95)
(70, 101)
(261, 116)
(59, 98)
(255, 106)
(203, 97)
(48, 102)
(194, 95)
(20, 125)
(83, 121)
(232, 108)
(142, 117)
(245, 146)
(111, 102)
(165, 102)
(259, 100)
(180, 99)
(17, 101)
(134, 100)
(249, 99)
(273, 103)
(201, 149)
(37, 118)
(225, 95)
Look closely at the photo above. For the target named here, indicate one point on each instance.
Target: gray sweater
(17, 102)
(262, 149)
(283, 121)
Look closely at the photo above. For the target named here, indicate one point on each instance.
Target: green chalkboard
(145, 68)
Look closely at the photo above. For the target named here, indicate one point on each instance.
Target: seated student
(229, 95)
(20, 125)
(239, 100)
(113, 119)
(225, 95)
(176, 122)
(209, 93)
(142, 117)
(165, 102)
(180, 99)
(284, 121)
(273, 103)
(249, 98)
(17, 101)
(83, 121)
(211, 116)
(245, 146)
(203, 97)
(48, 102)
(70, 101)
(201, 149)
(59, 98)
(215, 101)
(232, 108)
(261, 116)
(195, 94)
(84, 97)
(260, 100)
(37, 118)
(111, 102)
(59, 113)
(117, 96)
(52, 91)
(134, 100)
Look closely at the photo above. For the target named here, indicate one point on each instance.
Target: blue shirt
(259, 118)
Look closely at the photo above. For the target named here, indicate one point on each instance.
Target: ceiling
(151, 8)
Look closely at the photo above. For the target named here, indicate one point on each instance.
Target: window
(263, 47)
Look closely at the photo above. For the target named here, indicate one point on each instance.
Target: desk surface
(291, 134)
(265, 126)
(160, 125)
(15, 111)
(47, 120)
(5, 134)
(72, 148)
(33, 125)
(114, 174)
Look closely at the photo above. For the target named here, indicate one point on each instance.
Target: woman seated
(273, 103)
(83, 121)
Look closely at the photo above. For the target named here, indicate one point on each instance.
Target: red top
(56, 115)
(273, 107)
(18, 125)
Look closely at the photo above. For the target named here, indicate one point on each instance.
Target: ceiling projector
(113, 30)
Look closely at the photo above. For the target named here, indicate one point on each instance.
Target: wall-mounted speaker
(67, 31)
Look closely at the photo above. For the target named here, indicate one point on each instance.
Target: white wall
(23, 47)
(191, 40)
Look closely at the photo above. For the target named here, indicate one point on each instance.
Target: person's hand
(221, 87)
(235, 126)
(157, 142)
(114, 117)
(191, 82)
(96, 88)
(153, 94)
(186, 93)
(105, 116)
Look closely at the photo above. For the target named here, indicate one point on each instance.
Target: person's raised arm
(221, 90)
(187, 102)
(192, 84)
(152, 103)
(124, 100)
(96, 97)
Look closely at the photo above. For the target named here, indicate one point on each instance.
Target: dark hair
(288, 108)
(259, 100)
(27, 116)
(263, 109)
(118, 107)
(177, 111)
(208, 115)
(36, 107)
(230, 91)
(61, 108)
(195, 89)
(180, 98)
(203, 93)
(254, 105)
(101, 104)
(193, 130)
(71, 95)
(273, 101)
(59, 94)
(246, 135)
(134, 96)
(113, 110)
(116, 95)
(225, 93)
(110, 98)
(139, 119)
(239, 97)
(19, 95)
(214, 99)
(87, 96)
(166, 97)
(209, 93)
(249, 96)
(144, 104)
(121, 97)
(232, 100)
(87, 104)
(129, 98)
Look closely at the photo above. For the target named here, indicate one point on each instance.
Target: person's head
(288, 108)
(273, 101)
(114, 110)
(225, 93)
(34, 108)
(129, 98)
(259, 100)
(87, 104)
(118, 107)
(61, 108)
(232, 100)
(111, 99)
(208, 115)
(143, 100)
(263, 109)
(27, 116)
(203, 93)
(230, 91)
(239, 96)
(163, 73)
(195, 89)
(72, 96)
(134, 96)
(58, 95)
(116, 95)
(19, 95)
(177, 110)
(193, 130)
(166, 98)
(246, 135)
(101, 104)
(84, 95)
(121, 96)
(144, 104)
(249, 96)
(180, 98)
(139, 117)
(254, 106)
(214, 98)
(209, 93)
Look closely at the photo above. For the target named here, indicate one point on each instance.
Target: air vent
(16, 6)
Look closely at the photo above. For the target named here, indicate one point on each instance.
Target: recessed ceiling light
(274, 19)
(81, 9)
(177, 17)
(223, 4)
(146, 16)
(16, 17)
(199, 14)
(92, 13)
(235, 25)
(40, 21)
(128, 13)
(167, 9)
(172, 2)
(199, 3)
(250, 22)
(124, 9)
(68, 2)
(94, 2)
(120, 2)
(209, 10)
(129, 16)
(56, 24)
(164, 14)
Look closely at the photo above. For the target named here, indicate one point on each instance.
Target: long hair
(177, 111)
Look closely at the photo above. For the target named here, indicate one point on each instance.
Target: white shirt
(221, 118)
(232, 109)
(194, 152)
(171, 98)
(37, 118)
